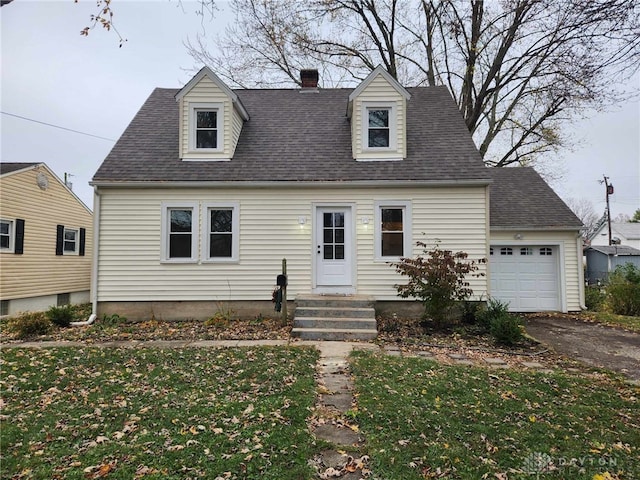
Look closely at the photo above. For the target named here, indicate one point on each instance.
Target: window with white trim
(545, 251)
(378, 127)
(222, 232)
(526, 251)
(392, 230)
(6, 235)
(206, 122)
(379, 121)
(179, 232)
(70, 241)
(506, 251)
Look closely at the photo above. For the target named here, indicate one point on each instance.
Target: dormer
(378, 113)
(211, 118)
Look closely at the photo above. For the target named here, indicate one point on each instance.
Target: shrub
(594, 297)
(493, 309)
(61, 316)
(506, 329)
(470, 311)
(112, 320)
(30, 324)
(437, 279)
(623, 290)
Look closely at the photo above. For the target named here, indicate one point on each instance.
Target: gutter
(94, 262)
(291, 183)
(581, 295)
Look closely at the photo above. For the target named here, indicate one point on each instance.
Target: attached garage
(526, 277)
(535, 245)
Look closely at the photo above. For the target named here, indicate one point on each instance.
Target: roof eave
(288, 183)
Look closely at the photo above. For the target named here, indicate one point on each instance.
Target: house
(209, 188)
(603, 259)
(626, 233)
(45, 240)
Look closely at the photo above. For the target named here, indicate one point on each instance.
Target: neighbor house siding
(571, 259)
(130, 267)
(379, 90)
(38, 271)
(206, 91)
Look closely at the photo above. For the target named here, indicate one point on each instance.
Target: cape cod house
(209, 188)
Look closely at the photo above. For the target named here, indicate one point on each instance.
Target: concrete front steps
(334, 317)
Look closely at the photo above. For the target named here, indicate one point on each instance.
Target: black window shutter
(83, 234)
(19, 245)
(59, 239)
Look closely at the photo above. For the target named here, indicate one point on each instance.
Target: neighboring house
(603, 259)
(45, 240)
(621, 234)
(209, 188)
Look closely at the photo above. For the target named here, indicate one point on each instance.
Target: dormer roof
(207, 72)
(379, 70)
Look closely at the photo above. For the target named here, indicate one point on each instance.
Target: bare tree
(517, 69)
(584, 210)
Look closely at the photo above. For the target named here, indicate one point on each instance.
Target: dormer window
(207, 120)
(379, 121)
(378, 127)
(206, 128)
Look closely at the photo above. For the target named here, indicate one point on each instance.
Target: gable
(378, 112)
(211, 118)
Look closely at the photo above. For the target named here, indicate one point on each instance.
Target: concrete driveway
(591, 343)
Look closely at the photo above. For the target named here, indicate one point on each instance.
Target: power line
(58, 126)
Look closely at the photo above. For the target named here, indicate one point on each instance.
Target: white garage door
(525, 276)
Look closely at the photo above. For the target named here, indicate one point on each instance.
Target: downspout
(94, 262)
(580, 252)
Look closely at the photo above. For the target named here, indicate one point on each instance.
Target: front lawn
(426, 420)
(150, 413)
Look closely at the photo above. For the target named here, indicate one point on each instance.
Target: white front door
(333, 249)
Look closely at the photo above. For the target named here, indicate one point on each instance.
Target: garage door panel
(527, 279)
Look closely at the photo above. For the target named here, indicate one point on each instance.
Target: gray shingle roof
(615, 250)
(520, 198)
(296, 137)
(9, 167)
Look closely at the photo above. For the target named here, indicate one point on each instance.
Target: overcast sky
(53, 75)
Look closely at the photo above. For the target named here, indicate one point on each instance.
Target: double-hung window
(378, 128)
(6, 235)
(379, 120)
(392, 230)
(70, 242)
(179, 232)
(206, 127)
(222, 231)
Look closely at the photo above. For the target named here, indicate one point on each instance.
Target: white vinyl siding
(269, 230)
(379, 93)
(563, 244)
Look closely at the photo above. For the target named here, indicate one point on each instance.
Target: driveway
(591, 343)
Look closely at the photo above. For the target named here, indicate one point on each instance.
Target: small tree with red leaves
(438, 279)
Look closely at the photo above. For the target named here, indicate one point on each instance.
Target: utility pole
(609, 191)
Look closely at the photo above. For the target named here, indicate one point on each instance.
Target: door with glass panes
(333, 247)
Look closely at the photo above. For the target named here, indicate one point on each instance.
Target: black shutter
(59, 239)
(19, 245)
(83, 234)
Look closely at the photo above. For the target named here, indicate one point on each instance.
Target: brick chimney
(309, 78)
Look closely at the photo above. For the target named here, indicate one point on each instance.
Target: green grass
(611, 319)
(148, 413)
(422, 420)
